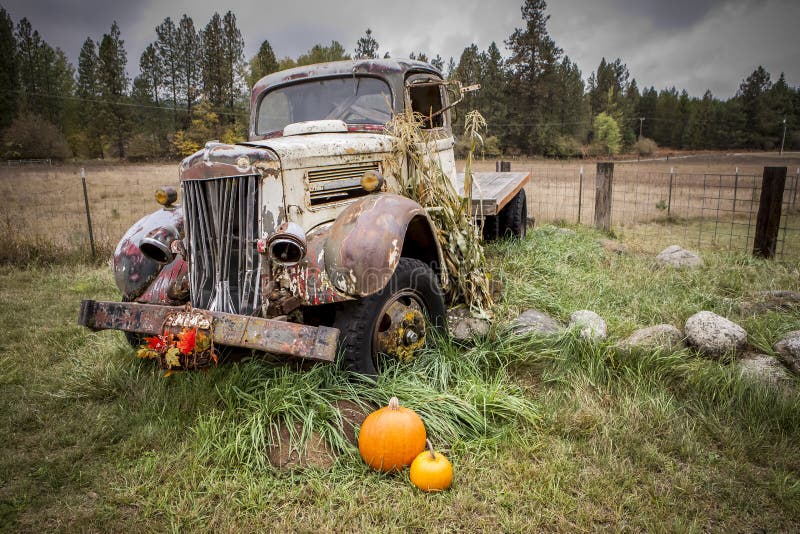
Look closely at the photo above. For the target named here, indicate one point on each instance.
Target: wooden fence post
(602, 195)
(769, 211)
(580, 194)
(88, 213)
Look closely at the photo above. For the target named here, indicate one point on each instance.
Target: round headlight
(372, 181)
(166, 196)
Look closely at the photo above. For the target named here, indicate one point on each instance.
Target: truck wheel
(491, 228)
(513, 217)
(392, 322)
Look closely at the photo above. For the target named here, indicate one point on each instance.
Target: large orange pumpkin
(431, 471)
(391, 437)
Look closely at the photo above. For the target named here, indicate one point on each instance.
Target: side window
(426, 99)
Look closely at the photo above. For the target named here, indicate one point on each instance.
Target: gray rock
(463, 326)
(788, 350)
(714, 335)
(675, 256)
(660, 335)
(762, 368)
(535, 322)
(592, 326)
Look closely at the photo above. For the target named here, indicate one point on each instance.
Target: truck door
(426, 94)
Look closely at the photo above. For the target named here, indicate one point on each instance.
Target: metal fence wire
(44, 205)
(653, 210)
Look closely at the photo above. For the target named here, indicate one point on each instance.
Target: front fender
(369, 237)
(133, 271)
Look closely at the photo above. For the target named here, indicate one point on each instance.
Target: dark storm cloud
(692, 44)
(674, 14)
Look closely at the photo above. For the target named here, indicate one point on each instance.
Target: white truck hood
(300, 151)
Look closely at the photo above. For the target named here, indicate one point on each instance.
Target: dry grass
(44, 205)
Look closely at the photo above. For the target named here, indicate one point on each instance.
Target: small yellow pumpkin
(431, 471)
(391, 437)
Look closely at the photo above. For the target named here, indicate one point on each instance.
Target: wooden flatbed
(491, 191)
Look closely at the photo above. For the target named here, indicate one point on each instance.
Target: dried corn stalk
(451, 213)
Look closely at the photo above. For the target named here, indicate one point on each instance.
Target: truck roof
(386, 68)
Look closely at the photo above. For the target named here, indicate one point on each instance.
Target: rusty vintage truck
(298, 241)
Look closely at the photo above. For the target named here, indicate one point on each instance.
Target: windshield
(359, 100)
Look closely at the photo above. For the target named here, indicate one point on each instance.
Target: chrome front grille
(221, 229)
(334, 184)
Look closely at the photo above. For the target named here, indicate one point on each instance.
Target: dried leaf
(172, 357)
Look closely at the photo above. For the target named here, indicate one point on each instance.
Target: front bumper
(275, 337)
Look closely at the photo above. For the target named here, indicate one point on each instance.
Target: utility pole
(641, 121)
(783, 139)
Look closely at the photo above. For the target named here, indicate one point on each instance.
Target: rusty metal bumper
(276, 337)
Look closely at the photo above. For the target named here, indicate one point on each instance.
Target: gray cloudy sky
(692, 44)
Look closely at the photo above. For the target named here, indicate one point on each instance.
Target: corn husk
(451, 214)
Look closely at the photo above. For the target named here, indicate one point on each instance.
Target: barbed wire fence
(652, 210)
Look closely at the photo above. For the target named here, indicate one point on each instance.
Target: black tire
(514, 217)
(491, 228)
(360, 321)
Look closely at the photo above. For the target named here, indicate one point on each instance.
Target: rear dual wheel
(511, 222)
(392, 323)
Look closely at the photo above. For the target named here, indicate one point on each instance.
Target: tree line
(193, 83)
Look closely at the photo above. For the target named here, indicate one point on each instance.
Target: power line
(120, 103)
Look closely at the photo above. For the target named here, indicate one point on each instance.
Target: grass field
(544, 433)
(45, 217)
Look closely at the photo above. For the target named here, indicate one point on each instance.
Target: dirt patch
(352, 417)
(315, 452)
(287, 453)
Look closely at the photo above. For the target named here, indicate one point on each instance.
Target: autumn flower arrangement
(191, 348)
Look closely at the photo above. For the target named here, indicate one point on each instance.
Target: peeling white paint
(394, 255)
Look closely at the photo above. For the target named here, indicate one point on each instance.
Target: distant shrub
(142, 147)
(645, 147)
(32, 137)
(565, 146)
(607, 136)
(491, 147)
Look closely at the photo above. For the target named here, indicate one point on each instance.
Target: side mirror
(453, 87)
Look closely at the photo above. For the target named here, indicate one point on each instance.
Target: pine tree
(321, 54)
(263, 63)
(153, 122)
(166, 46)
(451, 68)
(113, 88)
(367, 47)
(533, 80)
(45, 76)
(438, 62)
(9, 73)
(233, 62)
(213, 62)
(752, 95)
(647, 109)
(491, 98)
(188, 44)
(87, 91)
(468, 72)
(571, 108)
(151, 73)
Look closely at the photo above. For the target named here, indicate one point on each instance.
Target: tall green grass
(544, 432)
